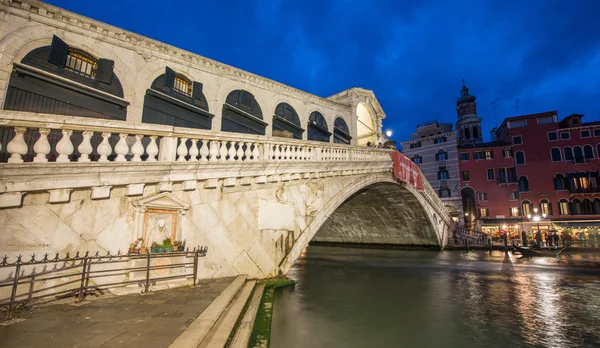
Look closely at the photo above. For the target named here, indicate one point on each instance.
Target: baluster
(121, 149)
(85, 148)
(240, 151)
(232, 152)
(104, 149)
(223, 151)
(255, 152)
(288, 152)
(64, 146)
(182, 150)
(277, 152)
(137, 149)
(248, 152)
(17, 146)
(152, 149)
(194, 151)
(214, 150)
(42, 146)
(204, 151)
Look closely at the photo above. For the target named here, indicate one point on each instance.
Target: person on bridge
(556, 238)
(524, 238)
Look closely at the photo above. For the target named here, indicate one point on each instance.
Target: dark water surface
(348, 297)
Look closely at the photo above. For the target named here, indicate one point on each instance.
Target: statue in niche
(159, 228)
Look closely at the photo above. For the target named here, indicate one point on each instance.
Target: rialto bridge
(108, 136)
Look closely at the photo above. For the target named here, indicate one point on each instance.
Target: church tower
(468, 125)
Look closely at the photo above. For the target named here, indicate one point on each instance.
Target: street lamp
(536, 218)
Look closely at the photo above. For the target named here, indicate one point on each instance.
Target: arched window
(588, 152)
(584, 181)
(598, 149)
(38, 90)
(443, 173)
(523, 184)
(317, 128)
(467, 133)
(559, 182)
(579, 158)
(593, 177)
(568, 154)
(572, 181)
(545, 207)
(575, 207)
(417, 159)
(341, 134)
(441, 155)
(563, 207)
(475, 133)
(586, 207)
(286, 122)
(175, 100)
(526, 208)
(520, 157)
(555, 154)
(242, 114)
(596, 206)
(469, 206)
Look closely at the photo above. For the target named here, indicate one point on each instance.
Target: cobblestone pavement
(152, 320)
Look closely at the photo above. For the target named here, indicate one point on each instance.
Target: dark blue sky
(413, 56)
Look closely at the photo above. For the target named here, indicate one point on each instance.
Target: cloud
(306, 59)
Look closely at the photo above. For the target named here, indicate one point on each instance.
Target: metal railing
(77, 276)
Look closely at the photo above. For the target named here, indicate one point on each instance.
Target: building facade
(539, 174)
(434, 148)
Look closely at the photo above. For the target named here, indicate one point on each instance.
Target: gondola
(528, 252)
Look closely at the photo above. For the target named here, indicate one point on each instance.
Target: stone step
(200, 327)
(244, 330)
(220, 332)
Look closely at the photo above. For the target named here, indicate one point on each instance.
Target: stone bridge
(97, 153)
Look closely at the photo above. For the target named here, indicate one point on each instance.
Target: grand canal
(391, 298)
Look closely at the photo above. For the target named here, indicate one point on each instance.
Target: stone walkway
(153, 320)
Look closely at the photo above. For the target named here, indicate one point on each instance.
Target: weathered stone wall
(379, 214)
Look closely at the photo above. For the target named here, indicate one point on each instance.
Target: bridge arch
(344, 202)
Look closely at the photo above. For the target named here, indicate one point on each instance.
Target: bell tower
(468, 125)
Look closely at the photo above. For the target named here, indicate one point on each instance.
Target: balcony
(442, 183)
(587, 190)
(507, 181)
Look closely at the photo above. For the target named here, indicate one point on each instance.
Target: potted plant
(167, 245)
(133, 247)
(143, 248)
(154, 247)
(181, 245)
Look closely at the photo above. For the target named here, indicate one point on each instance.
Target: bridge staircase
(462, 235)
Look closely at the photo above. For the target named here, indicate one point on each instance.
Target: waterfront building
(433, 147)
(536, 166)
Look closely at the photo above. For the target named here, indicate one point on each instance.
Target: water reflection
(390, 298)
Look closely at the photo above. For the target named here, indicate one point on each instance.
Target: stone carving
(157, 218)
(314, 200)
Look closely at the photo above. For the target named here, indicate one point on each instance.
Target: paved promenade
(153, 320)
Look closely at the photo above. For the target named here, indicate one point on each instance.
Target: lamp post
(536, 218)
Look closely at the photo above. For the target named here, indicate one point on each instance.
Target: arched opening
(520, 157)
(469, 206)
(341, 133)
(523, 184)
(175, 100)
(526, 208)
(63, 80)
(555, 154)
(417, 159)
(578, 151)
(568, 154)
(317, 128)
(545, 207)
(596, 206)
(366, 127)
(242, 114)
(475, 133)
(441, 155)
(559, 182)
(588, 152)
(575, 207)
(563, 207)
(286, 123)
(380, 213)
(586, 207)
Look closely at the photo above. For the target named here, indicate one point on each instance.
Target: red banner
(406, 170)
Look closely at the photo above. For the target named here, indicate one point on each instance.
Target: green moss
(261, 332)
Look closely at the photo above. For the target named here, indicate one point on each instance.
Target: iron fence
(78, 276)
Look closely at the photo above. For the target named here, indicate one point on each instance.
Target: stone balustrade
(58, 154)
(86, 140)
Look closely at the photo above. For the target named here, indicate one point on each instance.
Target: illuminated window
(482, 196)
(484, 212)
(489, 154)
(183, 85)
(466, 175)
(513, 195)
(526, 208)
(507, 153)
(545, 207)
(514, 211)
(81, 63)
(563, 207)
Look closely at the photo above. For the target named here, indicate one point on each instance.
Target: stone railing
(432, 197)
(42, 138)
(59, 154)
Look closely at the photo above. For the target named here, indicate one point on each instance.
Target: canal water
(348, 297)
